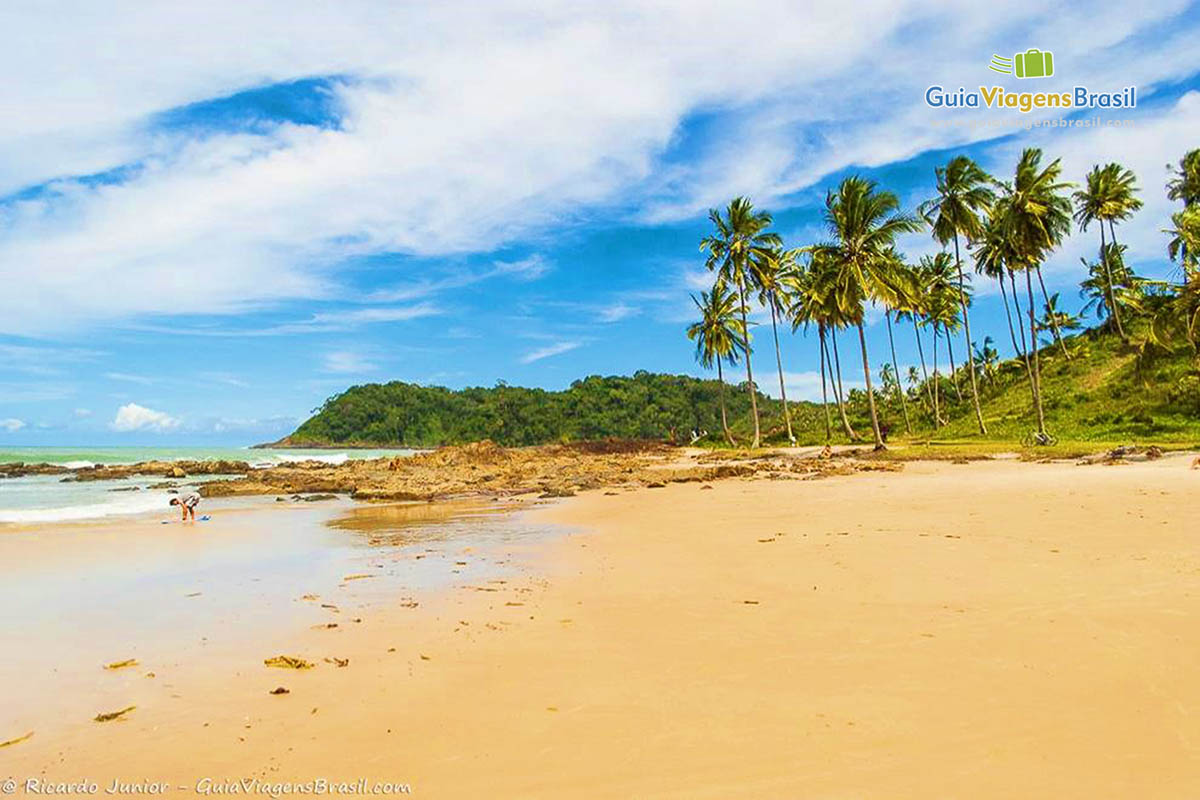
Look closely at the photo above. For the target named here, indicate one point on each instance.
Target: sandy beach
(990, 629)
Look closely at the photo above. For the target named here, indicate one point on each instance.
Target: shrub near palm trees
(741, 239)
(719, 336)
(1035, 216)
(864, 222)
(964, 197)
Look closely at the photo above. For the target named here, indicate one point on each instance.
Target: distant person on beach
(187, 502)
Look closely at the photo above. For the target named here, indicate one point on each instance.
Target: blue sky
(211, 219)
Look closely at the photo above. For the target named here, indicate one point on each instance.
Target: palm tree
(813, 300)
(887, 315)
(1185, 183)
(1055, 318)
(993, 254)
(1182, 312)
(1036, 216)
(839, 393)
(914, 379)
(988, 358)
(864, 222)
(1184, 246)
(719, 336)
(910, 299)
(940, 304)
(770, 272)
(943, 311)
(1122, 203)
(741, 240)
(964, 197)
(1088, 204)
(1108, 195)
(898, 289)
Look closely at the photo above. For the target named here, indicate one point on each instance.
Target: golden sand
(986, 630)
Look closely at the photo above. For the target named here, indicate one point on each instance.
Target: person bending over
(187, 502)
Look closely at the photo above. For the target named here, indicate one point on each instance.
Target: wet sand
(992, 629)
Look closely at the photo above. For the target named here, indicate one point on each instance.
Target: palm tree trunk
(937, 412)
(779, 363)
(724, 419)
(1108, 281)
(887, 314)
(1012, 276)
(1037, 389)
(1008, 313)
(749, 374)
(824, 396)
(953, 369)
(837, 366)
(862, 340)
(924, 372)
(1049, 313)
(962, 301)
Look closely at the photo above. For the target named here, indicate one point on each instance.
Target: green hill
(644, 406)
(1106, 392)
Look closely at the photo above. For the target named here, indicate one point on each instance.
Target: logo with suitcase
(1033, 63)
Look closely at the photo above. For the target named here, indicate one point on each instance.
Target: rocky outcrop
(19, 469)
(485, 468)
(164, 469)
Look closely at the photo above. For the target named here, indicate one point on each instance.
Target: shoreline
(759, 638)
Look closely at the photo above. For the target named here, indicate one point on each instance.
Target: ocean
(48, 498)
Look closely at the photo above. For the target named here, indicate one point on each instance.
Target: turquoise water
(87, 456)
(50, 498)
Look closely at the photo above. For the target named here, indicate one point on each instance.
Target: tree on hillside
(988, 359)
(964, 198)
(1107, 196)
(741, 239)
(993, 256)
(1036, 215)
(1055, 318)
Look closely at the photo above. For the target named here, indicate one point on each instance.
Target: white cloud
(11, 425)
(464, 128)
(83, 413)
(558, 348)
(345, 361)
(280, 424)
(617, 312)
(132, 417)
(805, 385)
(126, 377)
